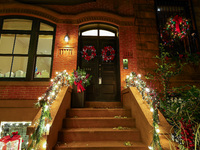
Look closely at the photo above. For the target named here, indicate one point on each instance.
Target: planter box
(78, 99)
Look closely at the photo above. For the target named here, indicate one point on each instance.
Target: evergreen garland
(44, 102)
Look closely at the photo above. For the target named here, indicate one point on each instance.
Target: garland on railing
(45, 102)
(150, 96)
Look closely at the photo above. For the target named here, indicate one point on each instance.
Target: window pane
(106, 33)
(90, 33)
(5, 64)
(6, 43)
(43, 66)
(46, 27)
(45, 44)
(19, 66)
(22, 44)
(17, 24)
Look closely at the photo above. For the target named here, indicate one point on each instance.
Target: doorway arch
(105, 84)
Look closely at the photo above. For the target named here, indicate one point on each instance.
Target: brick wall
(127, 47)
(68, 60)
(23, 90)
(146, 35)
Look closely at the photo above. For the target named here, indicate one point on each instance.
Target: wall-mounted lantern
(66, 38)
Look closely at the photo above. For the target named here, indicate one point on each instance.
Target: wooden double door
(105, 83)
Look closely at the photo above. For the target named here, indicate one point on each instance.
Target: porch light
(66, 38)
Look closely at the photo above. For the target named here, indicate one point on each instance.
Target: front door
(105, 84)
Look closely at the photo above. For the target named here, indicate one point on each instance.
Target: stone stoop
(97, 129)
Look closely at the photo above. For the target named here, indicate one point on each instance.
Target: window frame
(32, 51)
(98, 26)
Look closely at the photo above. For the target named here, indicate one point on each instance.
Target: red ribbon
(178, 20)
(9, 138)
(80, 88)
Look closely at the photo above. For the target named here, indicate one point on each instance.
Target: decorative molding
(128, 55)
(56, 2)
(65, 50)
(81, 18)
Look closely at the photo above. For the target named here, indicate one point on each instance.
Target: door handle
(100, 80)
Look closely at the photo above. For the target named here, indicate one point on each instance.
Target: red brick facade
(135, 19)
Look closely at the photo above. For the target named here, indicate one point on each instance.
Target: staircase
(97, 128)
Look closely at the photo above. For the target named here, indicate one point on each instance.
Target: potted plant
(79, 80)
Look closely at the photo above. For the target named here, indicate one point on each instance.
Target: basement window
(26, 48)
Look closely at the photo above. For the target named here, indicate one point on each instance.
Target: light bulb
(150, 147)
(47, 127)
(45, 145)
(139, 75)
(157, 130)
(66, 38)
(151, 110)
(147, 90)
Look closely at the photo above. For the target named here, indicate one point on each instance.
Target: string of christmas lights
(44, 102)
(150, 96)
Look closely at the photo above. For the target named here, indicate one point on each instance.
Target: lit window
(17, 24)
(45, 27)
(90, 33)
(20, 56)
(106, 33)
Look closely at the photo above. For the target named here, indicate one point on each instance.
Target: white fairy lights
(135, 80)
(45, 102)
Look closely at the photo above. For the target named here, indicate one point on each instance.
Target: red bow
(9, 138)
(178, 20)
(80, 88)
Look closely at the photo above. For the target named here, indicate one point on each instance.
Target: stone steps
(98, 112)
(95, 122)
(98, 134)
(100, 145)
(101, 126)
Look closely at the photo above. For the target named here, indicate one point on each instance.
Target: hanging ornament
(89, 52)
(108, 53)
(176, 27)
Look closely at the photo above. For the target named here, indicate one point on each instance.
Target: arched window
(26, 48)
(103, 30)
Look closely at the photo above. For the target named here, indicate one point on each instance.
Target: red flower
(180, 56)
(166, 58)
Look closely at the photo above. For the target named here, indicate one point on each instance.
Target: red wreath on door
(85, 55)
(108, 53)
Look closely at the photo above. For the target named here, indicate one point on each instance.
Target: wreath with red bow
(176, 28)
(108, 53)
(89, 52)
